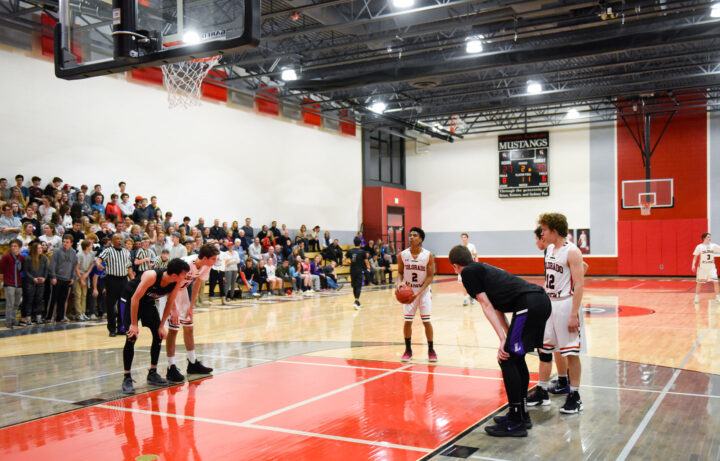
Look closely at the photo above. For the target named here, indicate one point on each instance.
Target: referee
(119, 266)
(358, 265)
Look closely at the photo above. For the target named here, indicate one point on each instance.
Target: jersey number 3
(550, 281)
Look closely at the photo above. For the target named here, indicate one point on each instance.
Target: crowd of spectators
(50, 237)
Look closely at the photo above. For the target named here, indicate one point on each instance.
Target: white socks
(191, 356)
(171, 361)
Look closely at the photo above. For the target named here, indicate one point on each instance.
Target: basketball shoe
(538, 396)
(573, 404)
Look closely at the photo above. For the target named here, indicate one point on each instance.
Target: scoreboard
(523, 165)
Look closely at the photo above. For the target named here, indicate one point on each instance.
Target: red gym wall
(662, 243)
(375, 202)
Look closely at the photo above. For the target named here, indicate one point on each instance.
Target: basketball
(404, 294)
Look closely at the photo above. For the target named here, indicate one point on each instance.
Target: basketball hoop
(183, 80)
(645, 209)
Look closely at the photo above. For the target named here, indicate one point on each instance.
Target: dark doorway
(396, 228)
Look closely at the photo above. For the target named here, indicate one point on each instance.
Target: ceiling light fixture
(378, 107)
(288, 75)
(534, 87)
(572, 114)
(473, 45)
(191, 37)
(715, 10)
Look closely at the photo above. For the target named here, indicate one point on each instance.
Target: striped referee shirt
(142, 254)
(117, 262)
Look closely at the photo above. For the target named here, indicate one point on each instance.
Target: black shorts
(147, 314)
(356, 277)
(527, 327)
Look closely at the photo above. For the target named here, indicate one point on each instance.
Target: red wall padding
(311, 114)
(152, 75)
(662, 243)
(268, 102)
(347, 125)
(598, 265)
(47, 39)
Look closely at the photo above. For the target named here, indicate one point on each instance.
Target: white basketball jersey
(707, 253)
(415, 269)
(558, 280)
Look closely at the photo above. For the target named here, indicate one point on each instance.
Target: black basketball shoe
(573, 404)
(173, 375)
(198, 368)
(538, 396)
(505, 419)
(127, 385)
(516, 429)
(155, 379)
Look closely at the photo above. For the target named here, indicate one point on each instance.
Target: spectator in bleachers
(270, 255)
(158, 216)
(231, 270)
(189, 246)
(80, 207)
(206, 235)
(393, 255)
(279, 256)
(167, 222)
(112, 209)
(287, 250)
(335, 253)
(136, 233)
(74, 196)
(9, 226)
(65, 219)
(56, 223)
(249, 277)
(297, 276)
(283, 273)
(316, 269)
(234, 231)
(362, 239)
(217, 274)
(249, 232)
(300, 247)
(255, 250)
(376, 269)
(62, 277)
(143, 211)
(177, 250)
(200, 225)
(11, 267)
(35, 271)
(274, 282)
(216, 232)
(263, 232)
(17, 196)
(273, 228)
(104, 231)
(76, 232)
(268, 242)
(30, 217)
(121, 188)
(186, 225)
(314, 239)
(96, 301)
(19, 179)
(331, 275)
(85, 260)
(302, 236)
(326, 241)
(4, 189)
(126, 207)
(143, 257)
(97, 204)
(308, 277)
(26, 235)
(154, 206)
(51, 238)
(97, 191)
(16, 212)
(36, 191)
(369, 248)
(46, 210)
(262, 277)
(240, 252)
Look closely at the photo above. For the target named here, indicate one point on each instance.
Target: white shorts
(557, 337)
(424, 302)
(185, 312)
(706, 273)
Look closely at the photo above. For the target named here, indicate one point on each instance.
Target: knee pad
(545, 357)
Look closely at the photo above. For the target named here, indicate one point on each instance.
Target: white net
(183, 80)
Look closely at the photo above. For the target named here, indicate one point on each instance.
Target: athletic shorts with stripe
(527, 326)
(147, 314)
(557, 337)
(422, 302)
(185, 310)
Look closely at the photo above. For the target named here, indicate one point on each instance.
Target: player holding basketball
(564, 281)
(416, 269)
(464, 238)
(138, 302)
(182, 312)
(706, 270)
(499, 292)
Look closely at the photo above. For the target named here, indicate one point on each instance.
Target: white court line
(35, 397)
(651, 412)
(267, 428)
(322, 396)
(487, 458)
(71, 382)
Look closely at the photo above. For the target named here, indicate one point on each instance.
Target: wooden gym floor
(314, 379)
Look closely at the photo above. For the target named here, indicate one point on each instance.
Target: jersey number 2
(550, 281)
(414, 277)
